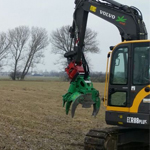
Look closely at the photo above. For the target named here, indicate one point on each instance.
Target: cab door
(119, 80)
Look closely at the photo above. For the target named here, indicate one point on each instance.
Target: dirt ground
(32, 117)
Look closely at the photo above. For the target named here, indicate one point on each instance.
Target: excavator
(127, 85)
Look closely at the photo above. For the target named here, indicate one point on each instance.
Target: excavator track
(117, 138)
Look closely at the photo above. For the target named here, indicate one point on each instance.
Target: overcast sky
(53, 14)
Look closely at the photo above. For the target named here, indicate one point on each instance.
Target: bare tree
(60, 41)
(18, 38)
(4, 48)
(27, 49)
(39, 41)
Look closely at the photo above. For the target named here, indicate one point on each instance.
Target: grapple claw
(68, 104)
(75, 104)
(95, 110)
(81, 92)
(86, 101)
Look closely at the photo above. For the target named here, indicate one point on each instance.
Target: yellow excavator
(127, 86)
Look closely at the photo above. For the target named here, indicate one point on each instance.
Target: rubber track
(106, 139)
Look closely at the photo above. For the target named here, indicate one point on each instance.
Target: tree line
(22, 48)
(94, 76)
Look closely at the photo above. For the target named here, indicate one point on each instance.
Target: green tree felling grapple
(81, 92)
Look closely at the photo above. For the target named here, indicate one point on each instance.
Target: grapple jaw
(86, 101)
(81, 92)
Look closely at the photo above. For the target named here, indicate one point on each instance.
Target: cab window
(141, 65)
(119, 68)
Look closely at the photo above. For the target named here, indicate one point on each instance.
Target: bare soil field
(32, 117)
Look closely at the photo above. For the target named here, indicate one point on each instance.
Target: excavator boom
(128, 20)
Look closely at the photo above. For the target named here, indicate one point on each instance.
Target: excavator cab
(127, 89)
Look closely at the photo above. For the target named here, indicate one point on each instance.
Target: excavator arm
(129, 22)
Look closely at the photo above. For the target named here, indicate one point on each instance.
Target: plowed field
(32, 117)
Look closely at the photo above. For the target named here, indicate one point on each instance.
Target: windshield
(141, 66)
